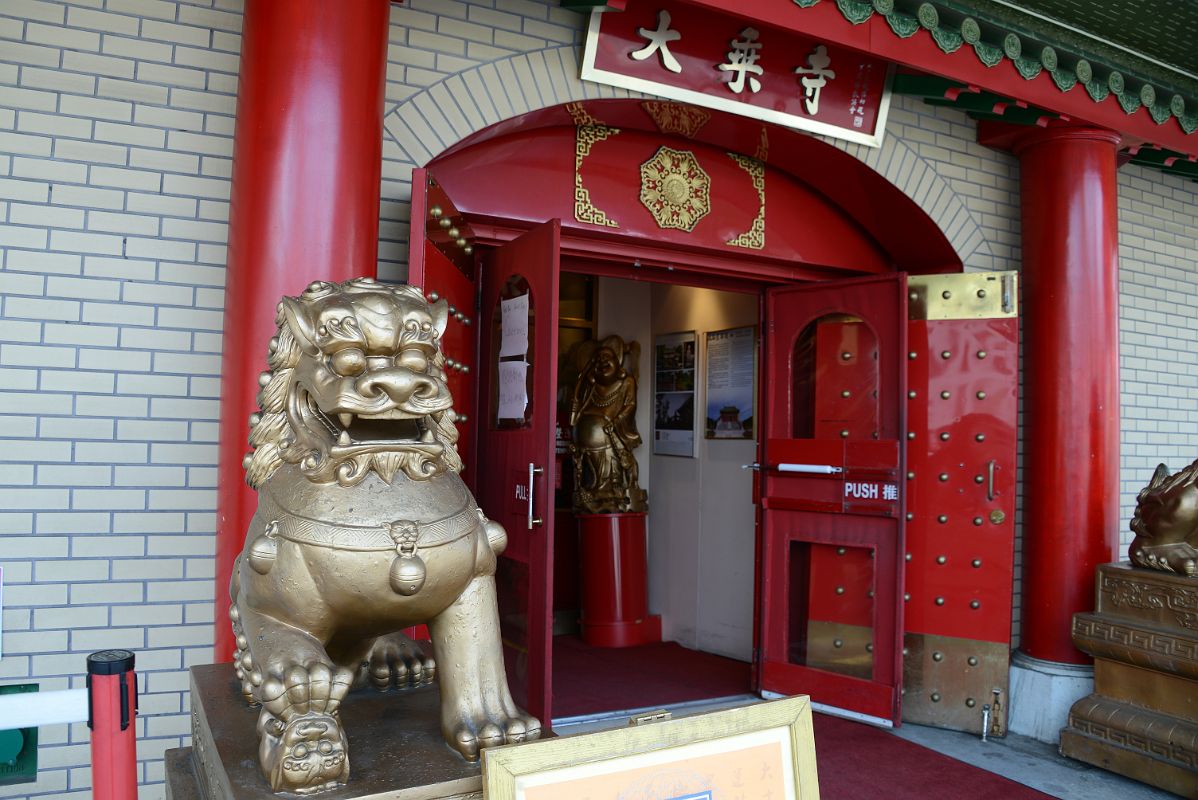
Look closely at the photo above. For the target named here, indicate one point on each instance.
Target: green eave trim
(953, 27)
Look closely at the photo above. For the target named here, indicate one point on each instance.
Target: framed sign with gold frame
(761, 750)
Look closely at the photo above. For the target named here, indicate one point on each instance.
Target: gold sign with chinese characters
(716, 60)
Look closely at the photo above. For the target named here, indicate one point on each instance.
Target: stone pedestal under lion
(363, 528)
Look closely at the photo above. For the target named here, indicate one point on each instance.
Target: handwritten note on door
(514, 337)
(513, 389)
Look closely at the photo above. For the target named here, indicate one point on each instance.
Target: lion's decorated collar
(356, 384)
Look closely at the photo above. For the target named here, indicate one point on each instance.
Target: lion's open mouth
(386, 430)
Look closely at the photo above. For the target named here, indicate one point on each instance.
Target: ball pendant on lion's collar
(263, 551)
(407, 575)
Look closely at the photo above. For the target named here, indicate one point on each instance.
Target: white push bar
(811, 469)
(34, 709)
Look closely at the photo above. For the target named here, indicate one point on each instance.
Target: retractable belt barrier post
(112, 712)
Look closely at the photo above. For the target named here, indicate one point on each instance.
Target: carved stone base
(1142, 719)
(395, 747)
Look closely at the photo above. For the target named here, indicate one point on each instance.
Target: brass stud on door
(997, 516)
(970, 702)
(977, 520)
(946, 294)
(939, 601)
(946, 394)
(979, 479)
(846, 393)
(910, 516)
(910, 476)
(869, 647)
(972, 661)
(908, 556)
(942, 519)
(944, 436)
(839, 590)
(981, 395)
(976, 563)
(912, 394)
(844, 434)
(981, 437)
(935, 697)
(937, 656)
(981, 354)
(846, 355)
(840, 551)
(838, 643)
(913, 355)
(975, 604)
(906, 597)
(943, 477)
(946, 354)
(981, 294)
(941, 559)
(910, 434)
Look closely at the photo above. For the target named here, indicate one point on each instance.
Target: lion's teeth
(346, 419)
(344, 439)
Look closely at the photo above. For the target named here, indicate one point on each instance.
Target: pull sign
(521, 492)
(870, 490)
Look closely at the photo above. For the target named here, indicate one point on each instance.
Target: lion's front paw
(473, 732)
(395, 660)
(306, 755)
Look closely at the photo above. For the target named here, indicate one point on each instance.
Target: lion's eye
(348, 362)
(413, 359)
(300, 751)
(325, 747)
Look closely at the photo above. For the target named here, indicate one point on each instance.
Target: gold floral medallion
(675, 189)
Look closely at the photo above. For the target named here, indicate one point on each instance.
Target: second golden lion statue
(363, 528)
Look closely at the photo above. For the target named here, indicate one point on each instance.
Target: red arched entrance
(645, 191)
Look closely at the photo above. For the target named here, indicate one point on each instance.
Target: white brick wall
(115, 144)
(1158, 327)
(115, 138)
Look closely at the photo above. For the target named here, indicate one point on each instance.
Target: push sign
(880, 497)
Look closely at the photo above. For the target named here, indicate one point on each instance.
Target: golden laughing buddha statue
(603, 416)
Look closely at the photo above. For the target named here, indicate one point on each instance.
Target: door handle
(990, 480)
(533, 472)
(754, 466)
(811, 469)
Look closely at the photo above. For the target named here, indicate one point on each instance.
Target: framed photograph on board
(731, 357)
(674, 395)
(761, 750)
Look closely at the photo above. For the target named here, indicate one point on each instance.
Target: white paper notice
(514, 339)
(513, 390)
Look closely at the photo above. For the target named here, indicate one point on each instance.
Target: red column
(1071, 378)
(307, 159)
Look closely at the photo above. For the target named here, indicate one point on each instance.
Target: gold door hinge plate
(963, 295)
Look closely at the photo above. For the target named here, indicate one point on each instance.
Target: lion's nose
(399, 384)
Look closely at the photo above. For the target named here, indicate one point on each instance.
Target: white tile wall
(116, 118)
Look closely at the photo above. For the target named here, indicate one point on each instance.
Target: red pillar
(307, 160)
(1071, 378)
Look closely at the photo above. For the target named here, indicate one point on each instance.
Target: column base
(1042, 693)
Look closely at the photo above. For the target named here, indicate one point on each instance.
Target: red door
(832, 494)
(516, 414)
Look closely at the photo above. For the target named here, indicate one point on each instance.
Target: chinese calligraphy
(742, 60)
(815, 77)
(708, 55)
(659, 42)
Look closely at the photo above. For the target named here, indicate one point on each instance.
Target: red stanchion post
(111, 715)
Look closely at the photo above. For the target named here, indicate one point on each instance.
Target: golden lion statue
(1166, 522)
(363, 528)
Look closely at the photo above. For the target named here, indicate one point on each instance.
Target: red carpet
(856, 762)
(860, 762)
(587, 680)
